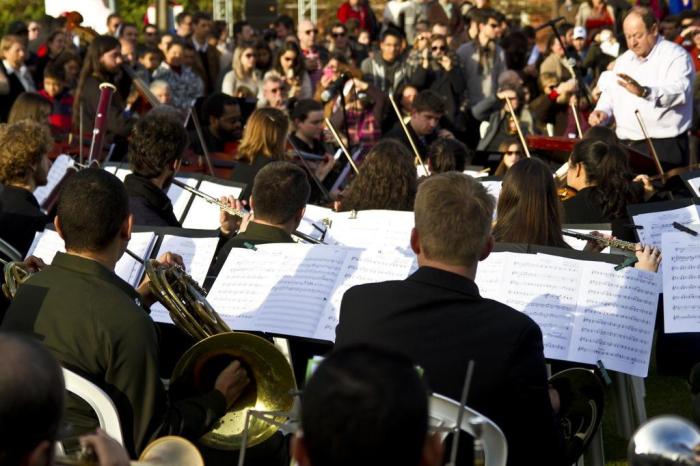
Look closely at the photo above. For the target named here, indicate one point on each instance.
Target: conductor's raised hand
(597, 117)
(630, 84)
(649, 258)
(231, 382)
(230, 223)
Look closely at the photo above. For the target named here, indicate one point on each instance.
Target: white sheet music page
(490, 274)
(58, 171)
(681, 282)
(315, 215)
(121, 173)
(196, 253)
(278, 288)
(615, 322)
(128, 268)
(384, 230)
(694, 184)
(203, 215)
(47, 243)
(362, 266)
(655, 223)
(179, 197)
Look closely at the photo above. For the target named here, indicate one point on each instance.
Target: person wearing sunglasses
(340, 42)
(315, 55)
(243, 72)
(483, 60)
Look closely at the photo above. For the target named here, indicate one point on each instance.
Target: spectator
(14, 75)
(61, 99)
(183, 25)
(274, 92)
(244, 72)
(185, 85)
(207, 59)
(291, 68)
(358, 10)
(387, 70)
(315, 55)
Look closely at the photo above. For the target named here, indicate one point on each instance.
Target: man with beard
(103, 64)
(156, 146)
(222, 117)
(24, 166)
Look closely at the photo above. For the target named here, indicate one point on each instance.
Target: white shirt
(22, 74)
(668, 72)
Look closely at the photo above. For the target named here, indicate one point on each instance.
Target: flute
(615, 243)
(233, 211)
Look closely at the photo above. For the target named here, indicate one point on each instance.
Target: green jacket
(92, 321)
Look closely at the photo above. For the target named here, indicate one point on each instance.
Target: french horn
(15, 274)
(665, 441)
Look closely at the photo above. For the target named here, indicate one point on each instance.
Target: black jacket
(439, 320)
(585, 208)
(148, 203)
(21, 218)
(422, 143)
(6, 100)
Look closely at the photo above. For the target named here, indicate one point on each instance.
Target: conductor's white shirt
(667, 111)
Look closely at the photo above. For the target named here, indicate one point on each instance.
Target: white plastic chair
(444, 412)
(100, 402)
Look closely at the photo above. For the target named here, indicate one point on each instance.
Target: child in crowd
(61, 99)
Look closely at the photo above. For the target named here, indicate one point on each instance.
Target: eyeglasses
(512, 152)
(493, 25)
(338, 34)
(311, 31)
(441, 48)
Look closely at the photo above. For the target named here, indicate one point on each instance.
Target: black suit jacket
(149, 204)
(21, 218)
(439, 320)
(6, 100)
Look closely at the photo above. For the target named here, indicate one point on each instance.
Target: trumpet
(614, 243)
(238, 213)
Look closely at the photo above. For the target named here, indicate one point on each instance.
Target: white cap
(579, 32)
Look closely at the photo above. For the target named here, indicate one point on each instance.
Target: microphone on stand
(335, 87)
(550, 23)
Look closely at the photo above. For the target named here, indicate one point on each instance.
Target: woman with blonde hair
(264, 139)
(243, 73)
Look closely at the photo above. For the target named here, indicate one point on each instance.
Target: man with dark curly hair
(24, 166)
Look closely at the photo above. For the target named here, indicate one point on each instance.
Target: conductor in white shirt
(656, 77)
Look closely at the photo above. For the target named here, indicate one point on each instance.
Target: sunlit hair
(264, 135)
(22, 146)
(387, 180)
(7, 41)
(237, 64)
(529, 210)
(453, 218)
(30, 106)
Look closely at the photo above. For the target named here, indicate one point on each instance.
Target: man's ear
(41, 455)
(299, 452)
(251, 202)
(432, 450)
(578, 167)
(415, 241)
(488, 248)
(127, 226)
(59, 228)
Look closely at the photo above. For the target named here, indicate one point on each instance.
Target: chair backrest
(444, 412)
(99, 401)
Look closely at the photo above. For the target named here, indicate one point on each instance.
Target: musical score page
(203, 215)
(57, 172)
(694, 184)
(587, 311)
(681, 282)
(47, 243)
(179, 197)
(654, 224)
(196, 253)
(314, 215)
(388, 231)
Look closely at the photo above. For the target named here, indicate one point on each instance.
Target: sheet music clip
(323, 231)
(251, 246)
(603, 372)
(684, 229)
(627, 262)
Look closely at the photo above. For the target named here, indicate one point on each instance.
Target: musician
(387, 180)
(31, 407)
(365, 406)
(656, 77)
(15, 78)
(601, 175)
(264, 140)
(24, 166)
(447, 154)
(223, 123)
(428, 109)
(94, 323)
(157, 143)
(438, 319)
(103, 64)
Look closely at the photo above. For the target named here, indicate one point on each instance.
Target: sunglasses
(442, 48)
(338, 34)
(249, 55)
(311, 31)
(512, 152)
(493, 25)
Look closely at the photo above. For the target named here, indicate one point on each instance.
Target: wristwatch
(645, 92)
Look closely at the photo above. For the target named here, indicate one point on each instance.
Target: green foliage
(134, 10)
(13, 10)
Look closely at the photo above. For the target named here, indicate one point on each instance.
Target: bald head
(31, 397)
(641, 30)
(307, 34)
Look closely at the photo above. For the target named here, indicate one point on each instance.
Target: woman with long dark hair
(290, 66)
(600, 172)
(387, 180)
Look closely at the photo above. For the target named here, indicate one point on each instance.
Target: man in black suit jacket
(438, 318)
(14, 76)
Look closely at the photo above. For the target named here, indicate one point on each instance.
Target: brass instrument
(238, 213)
(665, 440)
(165, 451)
(15, 274)
(614, 243)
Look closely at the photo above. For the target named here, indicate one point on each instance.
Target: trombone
(238, 213)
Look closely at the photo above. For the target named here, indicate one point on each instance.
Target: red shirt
(346, 12)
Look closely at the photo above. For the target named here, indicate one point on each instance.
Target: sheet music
(47, 243)
(476, 173)
(121, 173)
(494, 188)
(656, 223)
(197, 254)
(179, 197)
(314, 215)
(58, 171)
(277, 288)
(694, 184)
(203, 215)
(384, 230)
(617, 311)
(579, 244)
(681, 282)
(587, 311)
(361, 266)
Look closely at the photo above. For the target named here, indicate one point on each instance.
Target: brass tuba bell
(666, 441)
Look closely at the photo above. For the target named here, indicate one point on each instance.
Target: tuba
(272, 379)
